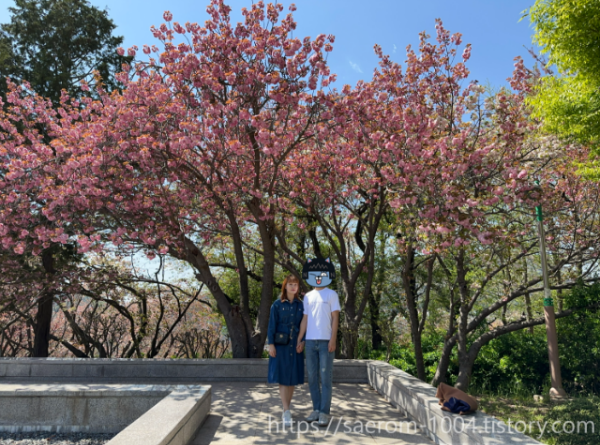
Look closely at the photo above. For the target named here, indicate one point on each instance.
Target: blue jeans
(319, 365)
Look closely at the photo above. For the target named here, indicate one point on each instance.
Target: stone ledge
(157, 414)
(79, 390)
(417, 399)
(173, 421)
(158, 370)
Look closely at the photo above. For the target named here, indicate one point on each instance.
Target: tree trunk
(444, 363)
(559, 292)
(529, 310)
(466, 364)
(237, 332)
(43, 320)
(466, 369)
(464, 358)
(375, 301)
(353, 310)
(450, 338)
(257, 334)
(529, 313)
(376, 338)
(350, 340)
(338, 347)
(236, 327)
(408, 281)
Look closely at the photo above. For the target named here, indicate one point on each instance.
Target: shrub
(580, 412)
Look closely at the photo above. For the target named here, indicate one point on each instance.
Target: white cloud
(355, 66)
(394, 49)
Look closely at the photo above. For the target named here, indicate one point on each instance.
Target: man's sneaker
(323, 419)
(313, 416)
(287, 418)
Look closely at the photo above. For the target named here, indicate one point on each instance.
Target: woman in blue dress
(286, 362)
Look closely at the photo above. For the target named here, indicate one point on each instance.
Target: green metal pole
(557, 390)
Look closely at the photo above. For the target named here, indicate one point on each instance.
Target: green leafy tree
(568, 32)
(55, 44)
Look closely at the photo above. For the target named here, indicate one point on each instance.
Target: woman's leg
(286, 393)
(290, 394)
(285, 398)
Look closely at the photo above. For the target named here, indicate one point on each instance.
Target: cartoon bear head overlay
(318, 272)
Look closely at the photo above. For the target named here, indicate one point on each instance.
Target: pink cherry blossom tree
(31, 235)
(194, 149)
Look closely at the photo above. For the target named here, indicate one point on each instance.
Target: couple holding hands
(309, 325)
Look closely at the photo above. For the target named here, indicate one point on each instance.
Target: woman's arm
(300, 343)
(273, 318)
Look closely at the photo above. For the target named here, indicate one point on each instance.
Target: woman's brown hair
(290, 279)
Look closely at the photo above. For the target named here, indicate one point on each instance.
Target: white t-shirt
(318, 306)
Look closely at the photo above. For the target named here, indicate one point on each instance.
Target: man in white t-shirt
(320, 323)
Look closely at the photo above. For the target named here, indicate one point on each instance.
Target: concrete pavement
(245, 413)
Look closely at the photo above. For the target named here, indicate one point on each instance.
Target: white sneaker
(323, 419)
(287, 418)
(313, 416)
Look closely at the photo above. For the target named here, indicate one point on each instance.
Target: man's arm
(335, 321)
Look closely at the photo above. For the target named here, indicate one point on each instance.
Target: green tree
(55, 44)
(568, 32)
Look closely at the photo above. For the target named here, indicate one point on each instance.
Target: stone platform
(245, 414)
(367, 392)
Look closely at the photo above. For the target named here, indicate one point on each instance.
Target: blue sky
(491, 26)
